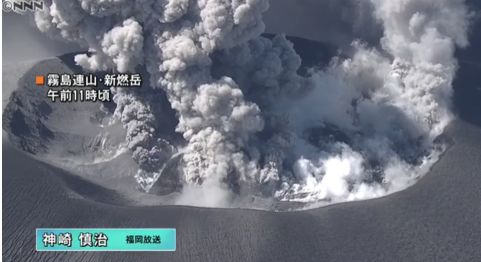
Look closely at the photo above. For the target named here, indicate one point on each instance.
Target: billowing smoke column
(390, 104)
(251, 125)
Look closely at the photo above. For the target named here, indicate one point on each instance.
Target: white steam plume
(251, 125)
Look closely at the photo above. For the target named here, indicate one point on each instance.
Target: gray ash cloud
(251, 125)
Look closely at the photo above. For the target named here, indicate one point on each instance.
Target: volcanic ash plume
(250, 124)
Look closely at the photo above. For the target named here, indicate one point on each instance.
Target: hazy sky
(332, 21)
(22, 41)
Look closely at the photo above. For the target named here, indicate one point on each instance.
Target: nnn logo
(22, 6)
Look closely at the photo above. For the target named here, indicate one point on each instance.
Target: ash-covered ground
(437, 219)
(67, 165)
